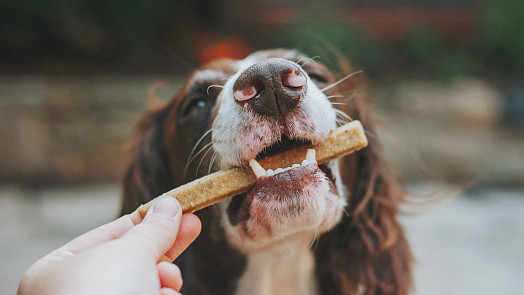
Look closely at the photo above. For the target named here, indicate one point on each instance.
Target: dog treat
(224, 184)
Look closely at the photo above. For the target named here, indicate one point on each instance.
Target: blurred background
(446, 76)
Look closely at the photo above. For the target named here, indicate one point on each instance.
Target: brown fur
(366, 252)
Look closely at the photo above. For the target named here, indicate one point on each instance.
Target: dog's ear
(148, 174)
(366, 253)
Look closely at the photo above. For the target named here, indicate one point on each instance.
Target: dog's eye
(318, 78)
(195, 106)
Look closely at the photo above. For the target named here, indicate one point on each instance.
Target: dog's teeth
(310, 156)
(260, 171)
(257, 169)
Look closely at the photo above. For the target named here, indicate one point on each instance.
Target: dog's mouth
(285, 192)
(285, 176)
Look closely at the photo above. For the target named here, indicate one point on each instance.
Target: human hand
(126, 256)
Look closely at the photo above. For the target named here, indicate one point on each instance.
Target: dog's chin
(302, 201)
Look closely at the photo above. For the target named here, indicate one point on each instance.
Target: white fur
(235, 130)
(279, 260)
(286, 268)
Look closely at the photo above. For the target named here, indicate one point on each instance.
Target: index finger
(189, 230)
(102, 234)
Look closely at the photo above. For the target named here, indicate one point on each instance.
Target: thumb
(157, 233)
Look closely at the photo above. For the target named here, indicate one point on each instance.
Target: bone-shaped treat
(223, 184)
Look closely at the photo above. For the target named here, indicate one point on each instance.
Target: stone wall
(75, 129)
(451, 131)
(70, 129)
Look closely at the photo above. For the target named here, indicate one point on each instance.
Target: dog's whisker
(213, 159)
(346, 96)
(341, 80)
(343, 115)
(208, 148)
(333, 96)
(214, 85)
(197, 144)
(341, 122)
(352, 96)
(304, 61)
(199, 141)
(342, 119)
(339, 103)
(204, 148)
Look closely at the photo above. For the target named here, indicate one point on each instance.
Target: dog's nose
(272, 87)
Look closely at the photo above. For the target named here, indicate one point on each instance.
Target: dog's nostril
(249, 91)
(293, 78)
(245, 94)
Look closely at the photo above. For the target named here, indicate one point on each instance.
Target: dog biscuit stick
(224, 184)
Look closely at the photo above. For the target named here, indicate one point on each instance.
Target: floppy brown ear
(366, 253)
(148, 174)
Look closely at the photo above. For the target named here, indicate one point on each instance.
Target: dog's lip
(286, 181)
(281, 186)
(284, 176)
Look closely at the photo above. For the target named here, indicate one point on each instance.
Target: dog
(310, 229)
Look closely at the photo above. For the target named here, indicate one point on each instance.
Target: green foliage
(80, 28)
(127, 30)
(420, 46)
(423, 50)
(502, 36)
(326, 39)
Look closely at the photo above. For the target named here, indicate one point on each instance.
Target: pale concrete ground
(32, 223)
(472, 244)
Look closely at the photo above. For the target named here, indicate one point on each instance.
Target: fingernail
(166, 206)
